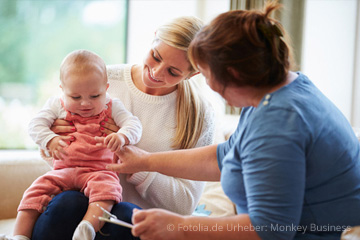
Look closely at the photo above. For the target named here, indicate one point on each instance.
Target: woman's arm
(195, 164)
(201, 166)
(160, 224)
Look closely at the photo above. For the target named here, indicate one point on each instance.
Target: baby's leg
(90, 224)
(94, 212)
(25, 222)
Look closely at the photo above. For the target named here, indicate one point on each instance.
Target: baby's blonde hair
(82, 61)
(190, 106)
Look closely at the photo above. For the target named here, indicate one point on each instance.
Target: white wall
(329, 50)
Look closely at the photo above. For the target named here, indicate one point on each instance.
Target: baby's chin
(86, 114)
(90, 112)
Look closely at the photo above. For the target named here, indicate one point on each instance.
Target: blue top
(293, 164)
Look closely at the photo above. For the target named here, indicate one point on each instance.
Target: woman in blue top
(293, 165)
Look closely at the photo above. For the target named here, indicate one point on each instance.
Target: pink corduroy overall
(83, 169)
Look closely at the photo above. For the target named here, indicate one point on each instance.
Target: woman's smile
(151, 77)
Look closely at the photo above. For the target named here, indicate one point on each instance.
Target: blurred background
(35, 35)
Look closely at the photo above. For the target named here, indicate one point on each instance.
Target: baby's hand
(114, 141)
(56, 147)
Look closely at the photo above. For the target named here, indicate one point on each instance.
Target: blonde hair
(82, 61)
(189, 104)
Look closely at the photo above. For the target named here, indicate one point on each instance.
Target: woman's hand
(157, 224)
(62, 127)
(108, 126)
(131, 159)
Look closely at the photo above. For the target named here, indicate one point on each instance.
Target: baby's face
(85, 92)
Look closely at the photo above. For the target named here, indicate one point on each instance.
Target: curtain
(291, 17)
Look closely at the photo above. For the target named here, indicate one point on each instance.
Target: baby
(80, 164)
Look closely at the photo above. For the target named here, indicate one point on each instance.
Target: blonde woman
(174, 116)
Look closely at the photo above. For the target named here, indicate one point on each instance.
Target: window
(146, 15)
(35, 36)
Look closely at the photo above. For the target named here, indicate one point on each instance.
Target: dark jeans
(66, 211)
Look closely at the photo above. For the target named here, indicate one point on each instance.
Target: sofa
(19, 168)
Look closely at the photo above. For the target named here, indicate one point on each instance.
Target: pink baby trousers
(83, 169)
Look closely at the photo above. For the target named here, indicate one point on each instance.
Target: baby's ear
(61, 86)
(107, 86)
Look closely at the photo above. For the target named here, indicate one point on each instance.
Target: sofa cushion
(18, 170)
(7, 226)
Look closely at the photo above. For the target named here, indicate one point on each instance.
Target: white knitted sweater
(158, 117)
